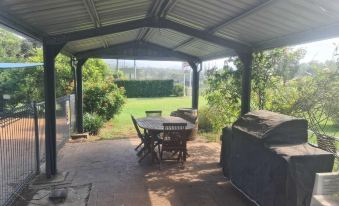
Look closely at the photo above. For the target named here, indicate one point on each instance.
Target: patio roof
(202, 29)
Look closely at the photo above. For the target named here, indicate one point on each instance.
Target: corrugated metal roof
(260, 24)
(281, 18)
(200, 48)
(166, 37)
(204, 14)
(101, 41)
(19, 65)
(112, 12)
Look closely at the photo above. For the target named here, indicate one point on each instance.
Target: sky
(320, 51)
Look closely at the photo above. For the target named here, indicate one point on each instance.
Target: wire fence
(22, 143)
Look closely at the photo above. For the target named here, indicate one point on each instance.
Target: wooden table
(154, 126)
(156, 123)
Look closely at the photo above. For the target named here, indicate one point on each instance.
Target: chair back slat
(153, 113)
(174, 131)
(137, 128)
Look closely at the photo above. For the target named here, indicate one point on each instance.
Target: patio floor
(118, 179)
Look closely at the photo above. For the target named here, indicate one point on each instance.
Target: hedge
(147, 88)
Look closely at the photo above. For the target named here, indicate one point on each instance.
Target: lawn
(121, 126)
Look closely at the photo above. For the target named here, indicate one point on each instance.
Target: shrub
(146, 88)
(92, 123)
(104, 99)
(178, 90)
(205, 123)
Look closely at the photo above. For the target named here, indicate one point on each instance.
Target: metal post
(79, 95)
(195, 85)
(246, 59)
(190, 87)
(50, 52)
(36, 132)
(184, 84)
(135, 70)
(73, 66)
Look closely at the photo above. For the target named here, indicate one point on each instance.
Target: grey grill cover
(272, 128)
(270, 159)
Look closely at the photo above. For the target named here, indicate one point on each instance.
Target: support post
(246, 58)
(195, 85)
(73, 67)
(50, 52)
(79, 95)
(36, 139)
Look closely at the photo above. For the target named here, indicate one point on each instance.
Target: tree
(26, 85)
(269, 71)
(223, 95)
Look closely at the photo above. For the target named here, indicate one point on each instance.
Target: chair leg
(138, 146)
(141, 151)
(143, 157)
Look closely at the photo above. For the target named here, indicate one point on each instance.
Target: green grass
(121, 126)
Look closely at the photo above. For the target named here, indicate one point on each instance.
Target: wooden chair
(174, 141)
(153, 113)
(140, 135)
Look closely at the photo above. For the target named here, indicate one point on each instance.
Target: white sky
(316, 51)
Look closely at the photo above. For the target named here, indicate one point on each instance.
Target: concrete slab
(112, 168)
(76, 196)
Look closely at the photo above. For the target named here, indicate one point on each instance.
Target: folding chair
(140, 135)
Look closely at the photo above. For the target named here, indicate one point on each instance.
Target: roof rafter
(137, 48)
(93, 13)
(156, 11)
(151, 23)
(240, 16)
(227, 22)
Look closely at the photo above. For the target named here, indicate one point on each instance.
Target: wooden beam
(141, 49)
(152, 23)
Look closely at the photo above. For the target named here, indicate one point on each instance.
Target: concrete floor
(118, 179)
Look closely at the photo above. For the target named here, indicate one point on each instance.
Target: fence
(22, 143)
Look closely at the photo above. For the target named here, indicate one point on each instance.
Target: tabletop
(156, 123)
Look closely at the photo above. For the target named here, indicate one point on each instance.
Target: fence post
(37, 145)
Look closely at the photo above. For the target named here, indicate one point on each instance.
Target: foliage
(13, 48)
(26, 85)
(270, 70)
(205, 123)
(105, 99)
(318, 99)
(118, 74)
(92, 123)
(223, 95)
(146, 88)
(178, 90)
